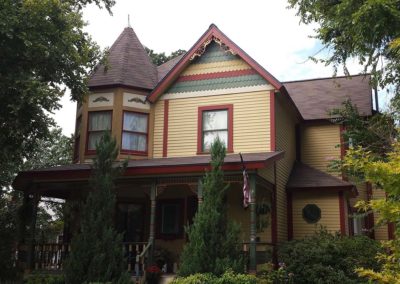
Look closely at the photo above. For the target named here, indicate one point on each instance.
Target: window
(134, 132)
(77, 137)
(170, 218)
(311, 213)
(215, 121)
(98, 123)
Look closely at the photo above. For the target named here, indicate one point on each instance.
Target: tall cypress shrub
(96, 251)
(214, 242)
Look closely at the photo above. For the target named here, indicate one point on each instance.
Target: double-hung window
(134, 132)
(99, 122)
(215, 121)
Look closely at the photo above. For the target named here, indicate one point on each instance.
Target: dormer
(117, 102)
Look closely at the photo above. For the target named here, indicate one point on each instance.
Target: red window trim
(127, 151)
(180, 235)
(229, 108)
(92, 152)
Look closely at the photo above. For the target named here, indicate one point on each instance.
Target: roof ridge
(327, 78)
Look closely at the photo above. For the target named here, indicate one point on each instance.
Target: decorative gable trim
(212, 34)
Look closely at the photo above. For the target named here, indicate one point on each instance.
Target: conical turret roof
(128, 65)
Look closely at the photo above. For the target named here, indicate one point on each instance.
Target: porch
(151, 212)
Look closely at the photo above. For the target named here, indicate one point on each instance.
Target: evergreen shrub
(328, 258)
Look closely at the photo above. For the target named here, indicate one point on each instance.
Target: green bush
(44, 279)
(229, 277)
(328, 258)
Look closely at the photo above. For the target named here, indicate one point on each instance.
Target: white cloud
(266, 30)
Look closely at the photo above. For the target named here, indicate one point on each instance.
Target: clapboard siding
(319, 145)
(330, 214)
(381, 232)
(215, 67)
(251, 123)
(285, 141)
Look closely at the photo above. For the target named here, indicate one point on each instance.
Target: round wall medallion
(311, 213)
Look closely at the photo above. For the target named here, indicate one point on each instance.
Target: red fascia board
(212, 31)
(322, 188)
(85, 173)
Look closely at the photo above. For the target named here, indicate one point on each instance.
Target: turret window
(134, 132)
(99, 122)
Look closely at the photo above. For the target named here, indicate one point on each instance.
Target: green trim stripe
(219, 83)
(214, 53)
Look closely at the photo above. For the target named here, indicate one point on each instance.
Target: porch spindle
(253, 216)
(199, 193)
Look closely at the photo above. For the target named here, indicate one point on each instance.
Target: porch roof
(148, 167)
(306, 177)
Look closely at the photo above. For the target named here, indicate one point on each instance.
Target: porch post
(153, 195)
(34, 201)
(199, 193)
(253, 216)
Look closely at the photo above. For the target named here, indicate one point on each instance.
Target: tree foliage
(385, 175)
(375, 133)
(214, 244)
(96, 251)
(366, 30)
(43, 50)
(328, 258)
(160, 58)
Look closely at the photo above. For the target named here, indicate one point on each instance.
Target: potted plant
(153, 274)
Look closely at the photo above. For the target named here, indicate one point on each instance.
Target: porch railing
(51, 256)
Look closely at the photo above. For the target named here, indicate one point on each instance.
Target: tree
(96, 250)
(214, 244)
(375, 133)
(52, 151)
(161, 58)
(384, 174)
(43, 49)
(366, 30)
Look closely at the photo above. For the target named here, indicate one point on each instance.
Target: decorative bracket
(200, 51)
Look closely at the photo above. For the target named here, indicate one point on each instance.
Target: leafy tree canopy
(161, 58)
(43, 50)
(366, 30)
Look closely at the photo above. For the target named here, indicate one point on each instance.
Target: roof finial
(129, 22)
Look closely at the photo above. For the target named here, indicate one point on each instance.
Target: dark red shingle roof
(128, 65)
(316, 97)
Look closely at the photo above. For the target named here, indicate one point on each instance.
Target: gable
(216, 71)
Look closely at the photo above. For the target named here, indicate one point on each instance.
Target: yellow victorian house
(164, 119)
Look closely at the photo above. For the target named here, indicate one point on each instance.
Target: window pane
(99, 121)
(94, 138)
(133, 141)
(170, 224)
(210, 136)
(215, 120)
(135, 122)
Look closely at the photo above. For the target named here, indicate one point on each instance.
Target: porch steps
(167, 278)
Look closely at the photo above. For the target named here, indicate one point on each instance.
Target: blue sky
(266, 30)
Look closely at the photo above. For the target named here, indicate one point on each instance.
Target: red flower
(153, 269)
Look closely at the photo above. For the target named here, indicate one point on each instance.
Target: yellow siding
(242, 216)
(381, 232)
(285, 141)
(158, 129)
(221, 66)
(267, 174)
(330, 213)
(251, 124)
(319, 145)
(362, 194)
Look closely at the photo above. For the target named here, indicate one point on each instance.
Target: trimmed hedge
(229, 277)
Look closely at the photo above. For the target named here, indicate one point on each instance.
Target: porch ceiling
(147, 168)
